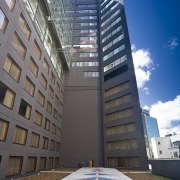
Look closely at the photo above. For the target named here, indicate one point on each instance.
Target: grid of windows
(40, 98)
(42, 163)
(31, 164)
(114, 52)
(12, 68)
(122, 145)
(7, 96)
(88, 24)
(121, 129)
(116, 89)
(3, 21)
(112, 33)
(20, 135)
(25, 109)
(110, 18)
(3, 129)
(14, 165)
(109, 11)
(18, 45)
(118, 101)
(111, 25)
(88, 31)
(10, 4)
(33, 66)
(115, 63)
(87, 17)
(38, 118)
(123, 162)
(35, 140)
(119, 114)
(88, 38)
(24, 26)
(88, 54)
(29, 86)
(91, 74)
(114, 41)
(36, 49)
(84, 64)
(106, 6)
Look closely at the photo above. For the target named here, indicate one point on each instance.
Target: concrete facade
(94, 111)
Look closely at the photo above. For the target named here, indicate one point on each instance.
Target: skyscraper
(68, 93)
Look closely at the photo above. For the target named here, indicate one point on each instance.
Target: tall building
(68, 93)
(151, 130)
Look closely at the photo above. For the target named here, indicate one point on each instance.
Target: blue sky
(154, 29)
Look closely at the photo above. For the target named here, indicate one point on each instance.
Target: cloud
(172, 43)
(146, 90)
(168, 115)
(143, 64)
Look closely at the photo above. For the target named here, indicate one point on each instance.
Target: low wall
(166, 167)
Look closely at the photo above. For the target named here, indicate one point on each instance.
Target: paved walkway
(97, 174)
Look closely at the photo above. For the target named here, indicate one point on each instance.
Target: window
(18, 45)
(38, 118)
(123, 162)
(29, 86)
(25, 109)
(47, 124)
(20, 135)
(53, 128)
(3, 21)
(56, 100)
(121, 129)
(37, 49)
(115, 63)
(46, 66)
(122, 145)
(119, 114)
(24, 26)
(12, 68)
(33, 67)
(118, 101)
(52, 145)
(85, 64)
(88, 54)
(40, 99)
(57, 147)
(57, 162)
(116, 89)
(42, 163)
(52, 78)
(10, 4)
(91, 74)
(50, 165)
(35, 140)
(43, 81)
(55, 115)
(31, 164)
(51, 92)
(45, 143)
(7, 96)
(3, 129)
(49, 107)
(14, 165)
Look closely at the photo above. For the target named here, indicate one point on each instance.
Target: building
(166, 147)
(150, 131)
(68, 93)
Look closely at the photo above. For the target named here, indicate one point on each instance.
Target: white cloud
(167, 113)
(146, 90)
(143, 65)
(172, 43)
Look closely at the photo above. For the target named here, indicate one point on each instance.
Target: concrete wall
(166, 167)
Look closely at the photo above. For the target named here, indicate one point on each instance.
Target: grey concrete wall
(166, 167)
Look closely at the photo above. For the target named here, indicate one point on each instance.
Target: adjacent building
(151, 130)
(166, 147)
(68, 93)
